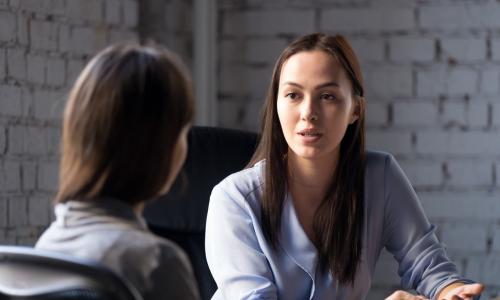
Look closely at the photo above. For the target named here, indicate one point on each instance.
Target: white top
(109, 232)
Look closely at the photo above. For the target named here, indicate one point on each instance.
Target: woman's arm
(408, 235)
(234, 256)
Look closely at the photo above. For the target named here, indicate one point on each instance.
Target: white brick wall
(458, 18)
(85, 40)
(36, 68)
(496, 114)
(252, 51)
(47, 176)
(43, 46)
(18, 212)
(3, 140)
(39, 211)
(16, 64)
(495, 49)
(369, 49)
(28, 176)
(84, 10)
(420, 114)
(393, 142)
(10, 101)
(454, 114)
(3, 212)
(2, 64)
(466, 173)
(7, 26)
(497, 173)
(454, 206)
(385, 82)
(130, 13)
(490, 80)
(43, 35)
(380, 19)
(464, 49)
(407, 50)
(453, 82)
(113, 11)
(453, 237)
(268, 22)
(468, 144)
(477, 115)
(377, 114)
(423, 174)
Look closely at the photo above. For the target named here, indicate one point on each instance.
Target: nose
(308, 110)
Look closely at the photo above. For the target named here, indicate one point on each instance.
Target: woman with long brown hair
(310, 215)
(123, 143)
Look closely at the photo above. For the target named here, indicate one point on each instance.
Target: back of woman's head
(121, 124)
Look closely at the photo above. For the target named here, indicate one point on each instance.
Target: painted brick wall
(432, 72)
(43, 46)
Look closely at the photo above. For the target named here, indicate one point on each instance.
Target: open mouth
(312, 134)
(309, 133)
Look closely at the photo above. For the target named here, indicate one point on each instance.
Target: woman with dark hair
(123, 143)
(310, 215)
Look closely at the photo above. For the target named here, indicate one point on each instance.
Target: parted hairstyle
(338, 222)
(121, 124)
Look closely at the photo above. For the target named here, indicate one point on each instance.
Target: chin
(308, 153)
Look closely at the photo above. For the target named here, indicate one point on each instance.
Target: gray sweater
(108, 231)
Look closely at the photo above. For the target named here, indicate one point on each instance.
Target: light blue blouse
(245, 266)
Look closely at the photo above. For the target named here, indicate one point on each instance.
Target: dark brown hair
(121, 123)
(338, 221)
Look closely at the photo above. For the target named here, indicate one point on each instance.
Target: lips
(310, 135)
(310, 132)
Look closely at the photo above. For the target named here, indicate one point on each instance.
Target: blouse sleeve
(408, 235)
(237, 263)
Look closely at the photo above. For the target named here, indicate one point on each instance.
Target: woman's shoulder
(377, 161)
(245, 181)
(376, 158)
(242, 188)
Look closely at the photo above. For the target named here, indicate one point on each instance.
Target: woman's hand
(461, 291)
(402, 295)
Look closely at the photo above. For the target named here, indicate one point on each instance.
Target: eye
(292, 96)
(327, 96)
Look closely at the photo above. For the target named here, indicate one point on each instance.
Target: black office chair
(33, 274)
(180, 216)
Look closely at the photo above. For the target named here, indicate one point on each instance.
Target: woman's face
(315, 104)
(178, 158)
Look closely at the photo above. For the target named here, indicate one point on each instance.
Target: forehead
(312, 65)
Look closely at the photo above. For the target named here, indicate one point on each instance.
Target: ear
(356, 110)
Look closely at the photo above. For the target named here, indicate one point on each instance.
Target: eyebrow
(323, 85)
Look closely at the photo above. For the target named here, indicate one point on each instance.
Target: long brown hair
(121, 123)
(338, 221)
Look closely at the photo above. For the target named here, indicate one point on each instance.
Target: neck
(311, 175)
(316, 172)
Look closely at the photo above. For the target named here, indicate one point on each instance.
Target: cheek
(284, 114)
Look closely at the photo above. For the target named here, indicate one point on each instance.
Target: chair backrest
(28, 273)
(213, 154)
